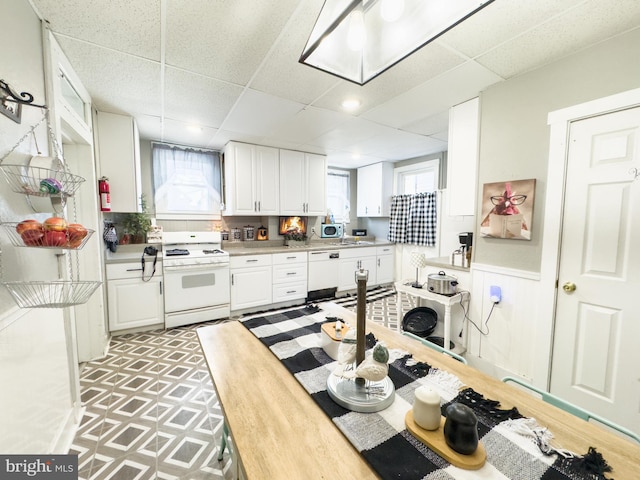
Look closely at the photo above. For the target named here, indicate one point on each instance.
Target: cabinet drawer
(289, 257)
(249, 261)
(117, 271)
(292, 291)
(357, 252)
(290, 273)
(386, 250)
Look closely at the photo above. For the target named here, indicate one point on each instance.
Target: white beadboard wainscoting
(515, 343)
(38, 414)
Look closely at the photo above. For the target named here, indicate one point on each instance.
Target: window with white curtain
(186, 182)
(339, 195)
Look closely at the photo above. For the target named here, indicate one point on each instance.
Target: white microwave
(331, 230)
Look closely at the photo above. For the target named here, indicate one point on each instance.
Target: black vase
(461, 428)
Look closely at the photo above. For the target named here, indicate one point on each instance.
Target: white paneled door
(596, 359)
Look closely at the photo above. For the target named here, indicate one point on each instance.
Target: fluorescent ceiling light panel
(357, 40)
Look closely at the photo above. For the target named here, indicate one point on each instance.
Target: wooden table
(280, 432)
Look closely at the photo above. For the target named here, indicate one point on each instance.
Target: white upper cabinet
(302, 183)
(252, 179)
(118, 151)
(375, 187)
(462, 158)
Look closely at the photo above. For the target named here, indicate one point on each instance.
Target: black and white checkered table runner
(294, 337)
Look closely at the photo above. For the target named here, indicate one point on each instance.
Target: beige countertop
(276, 246)
(445, 262)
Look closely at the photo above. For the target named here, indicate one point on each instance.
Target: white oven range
(196, 278)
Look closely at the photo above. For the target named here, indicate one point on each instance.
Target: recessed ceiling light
(194, 128)
(350, 104)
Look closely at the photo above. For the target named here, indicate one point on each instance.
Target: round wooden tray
(434, 439)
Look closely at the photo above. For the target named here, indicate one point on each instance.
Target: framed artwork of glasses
(507, 209)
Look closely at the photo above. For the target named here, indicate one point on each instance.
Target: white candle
(426, 408)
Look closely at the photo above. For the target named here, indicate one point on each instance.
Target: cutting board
(434, 439)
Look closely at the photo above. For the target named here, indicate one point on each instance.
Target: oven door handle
(191, 268)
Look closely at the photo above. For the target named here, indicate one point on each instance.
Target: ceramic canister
(426, 408)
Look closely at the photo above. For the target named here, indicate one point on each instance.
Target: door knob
(569, 287)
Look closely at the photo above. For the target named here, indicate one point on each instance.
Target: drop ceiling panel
(224, 40)
(347, 160)
(257, 113)
(197, 99)
(434, 96)
(179, 133)
(506, 20)
(431, 125)
(123, 25)
(395, 145)
(282, 75)
(118, 82)
(428, 62)
(308, 124)
(592, 23)
(353, 131)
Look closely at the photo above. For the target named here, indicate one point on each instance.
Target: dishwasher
(323, 273)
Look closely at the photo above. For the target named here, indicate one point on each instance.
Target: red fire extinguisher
(105, 196)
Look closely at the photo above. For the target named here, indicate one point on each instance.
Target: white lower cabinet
(385, 264)
(132, 302)
(251, 282)
(289, 276)
(353, 259)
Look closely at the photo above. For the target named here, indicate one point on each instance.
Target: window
(339, 195)
(186, 182)
(417, 178)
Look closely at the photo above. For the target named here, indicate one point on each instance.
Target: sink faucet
(344, 226)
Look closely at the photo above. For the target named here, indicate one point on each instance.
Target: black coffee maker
(466, 242)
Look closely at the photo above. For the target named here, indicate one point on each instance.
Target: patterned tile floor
(152, 411)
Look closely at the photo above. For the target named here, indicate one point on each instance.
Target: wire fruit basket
(41, 182)
(55, 294)
(74, 237)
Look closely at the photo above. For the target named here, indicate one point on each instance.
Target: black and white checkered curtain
(413, 219)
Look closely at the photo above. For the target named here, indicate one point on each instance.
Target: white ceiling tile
(428, 62)
(257, 113)
(194, 98)
(117, 82)
(307, 124)
(430, 125)
(593, 22)
(347, 160)
(501, 21)
(353, 131)
(149, 127)
(123, 25)
(224, 40)
(434, 96)
(282, 75)
(180, 133)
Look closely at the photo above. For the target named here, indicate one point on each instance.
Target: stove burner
(176, 251)
(214, 251)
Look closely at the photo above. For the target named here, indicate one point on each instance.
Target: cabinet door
(292, 182)
(384, 269)
(267, 180)
(250, 287)
(134, 303)
(316, 178)
(462, 158)
(242, 175)
(119, 158)
(375, 185)
(348, 268)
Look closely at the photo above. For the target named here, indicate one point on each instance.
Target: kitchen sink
(354, 242)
